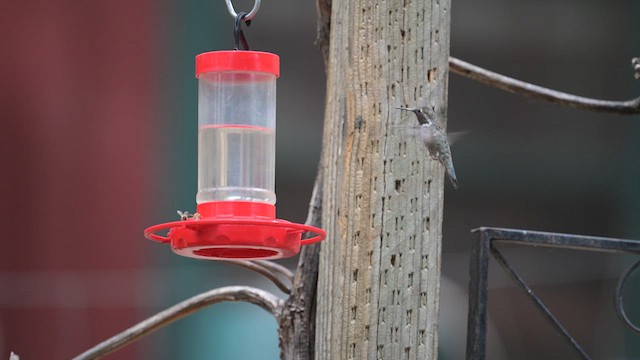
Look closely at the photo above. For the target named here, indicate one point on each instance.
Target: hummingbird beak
(406, 109)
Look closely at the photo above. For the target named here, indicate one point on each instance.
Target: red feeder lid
(238, 60)
(235, 230)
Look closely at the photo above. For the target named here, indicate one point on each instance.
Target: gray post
(378, 287)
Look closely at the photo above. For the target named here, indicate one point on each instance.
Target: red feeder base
(235, 230)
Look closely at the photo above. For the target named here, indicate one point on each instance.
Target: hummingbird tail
(452, 177)
(454, 182)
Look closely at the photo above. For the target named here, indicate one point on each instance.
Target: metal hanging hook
(238, 34)
(249, 16)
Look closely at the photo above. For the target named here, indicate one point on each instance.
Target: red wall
(76, 106)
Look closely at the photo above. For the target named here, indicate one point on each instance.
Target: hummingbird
(436, 140)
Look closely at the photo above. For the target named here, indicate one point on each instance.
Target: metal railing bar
(562, 241)
(537, 302)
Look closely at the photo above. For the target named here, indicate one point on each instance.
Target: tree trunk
(378, 287)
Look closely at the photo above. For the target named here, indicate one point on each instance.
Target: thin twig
(266, 271)
(314, 214)
(506, 83)
(255, 296)
(277, 268)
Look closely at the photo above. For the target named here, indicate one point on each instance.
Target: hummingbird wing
(454, 137)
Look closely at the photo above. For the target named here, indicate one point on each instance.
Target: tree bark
(378, 286)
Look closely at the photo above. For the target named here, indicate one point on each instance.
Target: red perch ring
(235, 230)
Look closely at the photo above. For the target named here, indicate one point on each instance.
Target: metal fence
(484, 243)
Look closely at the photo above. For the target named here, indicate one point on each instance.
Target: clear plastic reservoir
(236, 127)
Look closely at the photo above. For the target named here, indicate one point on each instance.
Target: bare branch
(506, 83)
(297, 323)
(323, 28)
(269, 271)
(276, 268)
(255, 296)
(314, 214)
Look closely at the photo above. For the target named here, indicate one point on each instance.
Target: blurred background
(99, 108)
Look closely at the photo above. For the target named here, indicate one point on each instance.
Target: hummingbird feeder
(236, 216)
